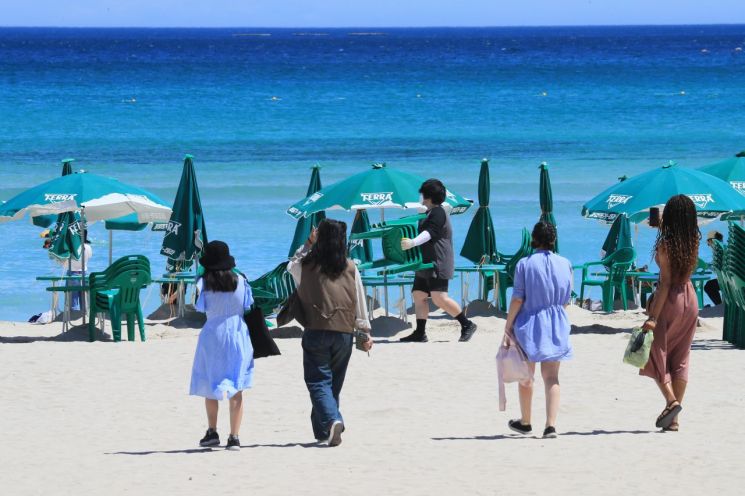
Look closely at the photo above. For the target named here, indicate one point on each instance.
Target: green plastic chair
(506, 276)
(395, 260)
(116, 291)
(719, 267)
(612, 280)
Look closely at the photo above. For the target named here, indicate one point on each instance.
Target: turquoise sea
(258, 107)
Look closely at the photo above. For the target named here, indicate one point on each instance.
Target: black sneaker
(518, 427)
(550, 432)
(467, 332)
(210, 439)
(234, 444)
(415, 337)
(337, 427)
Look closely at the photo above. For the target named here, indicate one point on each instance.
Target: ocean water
(257, 108)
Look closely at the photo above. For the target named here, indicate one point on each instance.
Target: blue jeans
(325, 358)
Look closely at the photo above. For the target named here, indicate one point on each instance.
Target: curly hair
(330, 249)
(680, 236)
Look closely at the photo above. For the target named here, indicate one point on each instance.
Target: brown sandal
(668, 415)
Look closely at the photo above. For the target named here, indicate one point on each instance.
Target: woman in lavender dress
(223, 361)
(538, 322)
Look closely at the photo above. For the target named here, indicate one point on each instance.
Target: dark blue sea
(258, 107)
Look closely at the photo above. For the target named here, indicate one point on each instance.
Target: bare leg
(236, 413)
(420, 304)
(679, 388)
(667, 392)
(446, 303)
(526, 397)
(550, 373)
(211, 406)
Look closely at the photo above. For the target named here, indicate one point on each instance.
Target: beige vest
(328, 304)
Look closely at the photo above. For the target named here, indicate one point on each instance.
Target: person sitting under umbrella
(436, 240)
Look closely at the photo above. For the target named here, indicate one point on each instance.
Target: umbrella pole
(111, 245)
(82, 282)
(385, 273)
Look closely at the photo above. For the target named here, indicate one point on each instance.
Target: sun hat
(217, 256)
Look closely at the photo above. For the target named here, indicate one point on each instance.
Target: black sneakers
(415, 337)
(337, 427)
(518, 427)
(467, 331)
(234, 444)
(550, 432)
(210, 439)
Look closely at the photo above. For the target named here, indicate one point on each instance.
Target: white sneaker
(335, 433)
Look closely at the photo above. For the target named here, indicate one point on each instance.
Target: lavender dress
(224, 358)
(544, 282)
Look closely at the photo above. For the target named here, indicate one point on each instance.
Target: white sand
(115, 418)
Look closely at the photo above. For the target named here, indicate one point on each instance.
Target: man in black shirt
(436, 239)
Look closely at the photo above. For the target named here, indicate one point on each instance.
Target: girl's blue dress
(544, 282)
(223, 361)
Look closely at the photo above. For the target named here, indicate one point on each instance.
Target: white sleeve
(362, 318)
(422, 238)
(295, 266)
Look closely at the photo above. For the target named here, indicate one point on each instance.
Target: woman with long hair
(673, 313)
(332, 298)
(223, 361)
(538, 322)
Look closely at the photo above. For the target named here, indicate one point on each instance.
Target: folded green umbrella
(619, 235)
(546, 199)
(378, 187)
(480, 244)
(67, 240)
(306, 224)
(634, 197)
(360, 250)
(186, 232)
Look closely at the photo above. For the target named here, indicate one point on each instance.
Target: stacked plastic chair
(612, 280)
(506, 275)
(734, 274)
(116, 291)
(271, 290)
(395, 260)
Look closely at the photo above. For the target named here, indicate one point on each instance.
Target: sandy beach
(115, 418)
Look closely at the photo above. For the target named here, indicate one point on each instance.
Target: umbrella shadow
(73, 334)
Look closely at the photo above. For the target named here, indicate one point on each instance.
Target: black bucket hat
(217, 256)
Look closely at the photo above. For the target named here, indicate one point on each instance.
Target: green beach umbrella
(731, 170)
(99, 197)
(546, 199)
(186, 233)
(48, 220)
(480, 245)
(378, 187)
(636, 195)
(306, 224)
(619, 235)
(360, 250)
(67, 240)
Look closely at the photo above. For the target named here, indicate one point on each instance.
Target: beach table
(400, 281)
(486, 270)
(181, 280)
(66, 289)
(698, 280)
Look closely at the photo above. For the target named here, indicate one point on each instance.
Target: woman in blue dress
(538, 322)
(223, 361)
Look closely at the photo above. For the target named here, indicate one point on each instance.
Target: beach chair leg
(141, 323)
(582, 294)
(116, 324)
(130, 327)
(623, 296)
(608, 298)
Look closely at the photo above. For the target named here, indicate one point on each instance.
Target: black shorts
(428, 285)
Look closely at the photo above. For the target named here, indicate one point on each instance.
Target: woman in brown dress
(673, 313)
